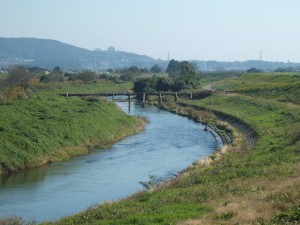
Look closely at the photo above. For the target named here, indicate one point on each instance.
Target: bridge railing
(190, 95)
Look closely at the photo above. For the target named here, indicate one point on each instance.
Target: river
(169, 144)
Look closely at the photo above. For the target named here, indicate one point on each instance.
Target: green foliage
(253, 70)
(173, 68)
(160, 84)
(87, 76)
(129, 74)
(156, 69)
(289, 217)
(152, 84)
(181, 69)
(55, 76)
(19, 77)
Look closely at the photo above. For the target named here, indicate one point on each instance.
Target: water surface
(169, 144)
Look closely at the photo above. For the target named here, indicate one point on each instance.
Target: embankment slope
(41, 129)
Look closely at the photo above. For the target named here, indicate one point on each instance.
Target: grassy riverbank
(283, 87)
(246, 186)
(45, 127)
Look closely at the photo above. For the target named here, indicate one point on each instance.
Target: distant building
(111, 49)
(98, 50)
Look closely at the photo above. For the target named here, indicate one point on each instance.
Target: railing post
(191, 95)
(113, 96)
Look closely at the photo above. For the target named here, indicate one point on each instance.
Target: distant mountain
(50, 53)
(47, 54)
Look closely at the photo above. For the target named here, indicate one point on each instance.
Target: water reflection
(22, 177)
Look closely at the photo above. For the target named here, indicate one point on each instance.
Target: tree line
(182, 75)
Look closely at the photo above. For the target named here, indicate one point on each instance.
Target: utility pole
(260, 59)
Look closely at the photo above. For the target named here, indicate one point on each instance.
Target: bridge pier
(176, 97)
(129, 101)
(144, 97)
(144, 100)
(113, 96)
(160, 98)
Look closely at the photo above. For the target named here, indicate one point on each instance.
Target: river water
(169, 144)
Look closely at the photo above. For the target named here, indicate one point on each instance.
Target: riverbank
(229, 130)
(45, 129)
(245, 186)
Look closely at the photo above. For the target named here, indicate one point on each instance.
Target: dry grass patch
(262, 199)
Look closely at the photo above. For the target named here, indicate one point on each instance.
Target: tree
(152, 84)
(134, 69)
(57, 70)
(56, 75)
(253, 70)
(188, 69)
(129, 74)
(19, 76)
(156, 69)
(87, 76)
(110, 70)
(173, 68)
(184, 73)
(183, 68)
(144, 70)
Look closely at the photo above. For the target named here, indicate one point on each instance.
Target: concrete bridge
(142, 95)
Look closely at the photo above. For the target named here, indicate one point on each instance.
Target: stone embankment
(243, 128)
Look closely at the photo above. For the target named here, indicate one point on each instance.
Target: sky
(223, 30)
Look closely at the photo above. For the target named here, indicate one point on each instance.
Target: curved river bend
(169, 144)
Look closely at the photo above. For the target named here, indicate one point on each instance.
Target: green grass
(209, 77)
(79, 87)
(2, 75)
(46, 127)
(284, 87)
(225, 192)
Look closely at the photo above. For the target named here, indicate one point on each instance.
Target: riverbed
(169, 144)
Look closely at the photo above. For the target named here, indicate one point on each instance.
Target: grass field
(77, 87)
(284, 87)
(256, 186)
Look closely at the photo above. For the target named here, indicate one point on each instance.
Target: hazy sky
(188, 29)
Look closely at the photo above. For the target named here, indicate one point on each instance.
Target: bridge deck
(140, 93)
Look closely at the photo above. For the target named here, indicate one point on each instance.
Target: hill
(50, 53)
